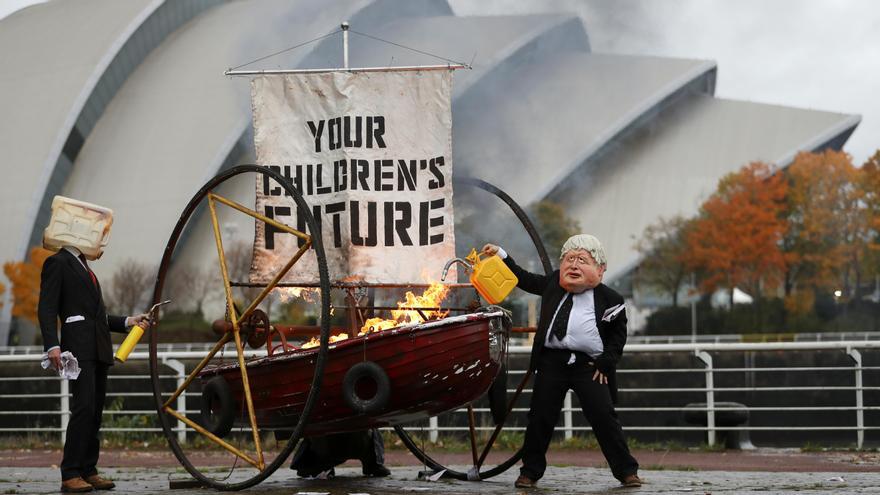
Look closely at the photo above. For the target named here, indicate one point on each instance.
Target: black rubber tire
(220, 421)
(366, 370)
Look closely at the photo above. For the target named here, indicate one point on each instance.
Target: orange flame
(314, 342)
(430, 298)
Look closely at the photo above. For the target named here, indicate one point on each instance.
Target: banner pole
(399, 68)
(345, 27)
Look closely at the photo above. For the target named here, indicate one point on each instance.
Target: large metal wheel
(166, 404)
(480, 453)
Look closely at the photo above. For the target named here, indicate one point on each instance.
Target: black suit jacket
(612, 333)
(67, 292)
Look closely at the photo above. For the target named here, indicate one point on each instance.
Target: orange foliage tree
(736, 239)
(25, 278)
(869, 185)
(828, 228)
(814, 228)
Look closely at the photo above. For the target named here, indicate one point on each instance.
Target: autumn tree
(664, 251)
(553, 224)
(25, 278)
(827, 226)
(869, 185)
(130, 287)
(735, 241)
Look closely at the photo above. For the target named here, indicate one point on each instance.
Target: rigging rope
(287, 49)
(410, 48)
(448, 60)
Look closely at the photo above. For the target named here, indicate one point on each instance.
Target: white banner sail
(371, 153)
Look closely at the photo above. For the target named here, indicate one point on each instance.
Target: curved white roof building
(124, 104)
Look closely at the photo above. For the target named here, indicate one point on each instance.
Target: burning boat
(376, 379)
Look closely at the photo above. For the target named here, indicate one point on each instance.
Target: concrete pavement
(561, 480)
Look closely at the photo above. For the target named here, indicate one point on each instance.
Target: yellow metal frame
(259, 462)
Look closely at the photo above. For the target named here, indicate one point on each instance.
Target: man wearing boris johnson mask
(579, 341)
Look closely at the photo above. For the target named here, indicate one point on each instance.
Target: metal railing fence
(177, 364)
(754, 337)
(632, 339)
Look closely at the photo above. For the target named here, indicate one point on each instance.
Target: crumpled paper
(69, 365)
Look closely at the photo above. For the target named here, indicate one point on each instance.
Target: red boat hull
(431, 368)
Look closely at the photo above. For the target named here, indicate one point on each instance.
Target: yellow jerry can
(491, 277)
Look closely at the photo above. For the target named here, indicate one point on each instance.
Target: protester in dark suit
(579, 341)
(318, 455)
(70, 292)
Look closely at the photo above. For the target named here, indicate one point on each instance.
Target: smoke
(803, 53)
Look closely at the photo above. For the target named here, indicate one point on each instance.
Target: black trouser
(81, 445)
(554, 378)
(318, 454)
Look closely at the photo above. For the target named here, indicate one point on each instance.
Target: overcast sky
(817, 54)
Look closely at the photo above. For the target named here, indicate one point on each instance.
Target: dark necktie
(560, 324)
(86, 265)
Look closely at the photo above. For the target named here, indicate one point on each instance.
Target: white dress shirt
(582, 333)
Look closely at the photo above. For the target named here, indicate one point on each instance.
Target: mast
(345, 27)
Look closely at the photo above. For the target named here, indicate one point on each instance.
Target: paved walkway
(561, 480)
(765, 471)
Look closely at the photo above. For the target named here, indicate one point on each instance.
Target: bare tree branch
(129, 287)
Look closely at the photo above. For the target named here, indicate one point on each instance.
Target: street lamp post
(693, 309)
(837, 294)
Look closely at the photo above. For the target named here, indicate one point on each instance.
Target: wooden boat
(383, 378)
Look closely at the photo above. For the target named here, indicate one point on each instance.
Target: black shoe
(376, 470)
